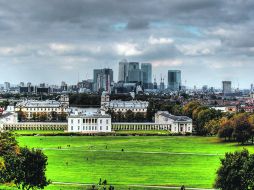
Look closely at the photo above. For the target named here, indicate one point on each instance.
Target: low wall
(35, 126)
(140, 126)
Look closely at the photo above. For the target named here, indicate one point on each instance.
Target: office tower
(102, 79)
(155, 84)
(226, 87)
(123, 70)
(64, 86)
(146, 69)
(134, 72)
(174, 80)
(21, 84)
(162, 85)
(7, 85)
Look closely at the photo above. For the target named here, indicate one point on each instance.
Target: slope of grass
(154, 160)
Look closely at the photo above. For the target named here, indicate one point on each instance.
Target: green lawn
(146, 160)
(35, 132)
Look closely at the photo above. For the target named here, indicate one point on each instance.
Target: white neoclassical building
(178, 124)
(89, 122)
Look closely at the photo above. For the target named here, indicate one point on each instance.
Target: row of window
(125, 110)
(90, 121)
(89, 128)
(45, 109)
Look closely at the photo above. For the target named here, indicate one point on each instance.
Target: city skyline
(47, 41)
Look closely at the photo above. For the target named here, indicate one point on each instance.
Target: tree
(129, 116)
(226, 129)
(21, 166)
(7, 143)
(212, 127)
(31, 170)
(242, 128)
(43, 116)
(236, 172)
(139, 117)
(190, 107)
(119, 116)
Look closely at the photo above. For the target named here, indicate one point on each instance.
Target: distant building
(21, 84)
(146, 69)
(226, 88)
(123, 71)
(89, 123)
(51, 108)
(134, 72)
(174, 80)
(7, 85)
(102, 79)
(123, 106)
(86, 84)
(64, 86)
(179, 124)
(162, 85)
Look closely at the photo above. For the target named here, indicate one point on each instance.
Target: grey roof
(174, 117)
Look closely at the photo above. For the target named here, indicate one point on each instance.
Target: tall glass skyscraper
(174, 80)
(102, 79)
(146, 69)
(123, 70)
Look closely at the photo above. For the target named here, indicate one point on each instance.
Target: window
(83, 128)
(106, 121)
(101, 121)
(71, 121)
(72, 128)
(106, 127)
(78, 128)
(101, 128)
(78, 121)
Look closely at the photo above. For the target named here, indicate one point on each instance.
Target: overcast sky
(54, 40)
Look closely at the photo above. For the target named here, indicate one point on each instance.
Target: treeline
(128, 116)
(42, 116)
(85, 100)
(232, 127)
(173, 107)
(21, 166)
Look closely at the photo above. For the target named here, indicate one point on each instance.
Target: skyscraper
(226, 87)
(174, 80)
(7, 85)
(146, 69)
(134, 72)
(102, 79)
(123, 70)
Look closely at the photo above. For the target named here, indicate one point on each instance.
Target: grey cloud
(33, 24)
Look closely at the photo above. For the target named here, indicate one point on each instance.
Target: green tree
(139, 117)
(129, 116)
(226, 129)
(30, 170)
(212, 127)
(7, 143)
(242, 128)
(236, 172)
(190, 107)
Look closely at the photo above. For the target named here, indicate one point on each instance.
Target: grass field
(40, 132)
(145, 160)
